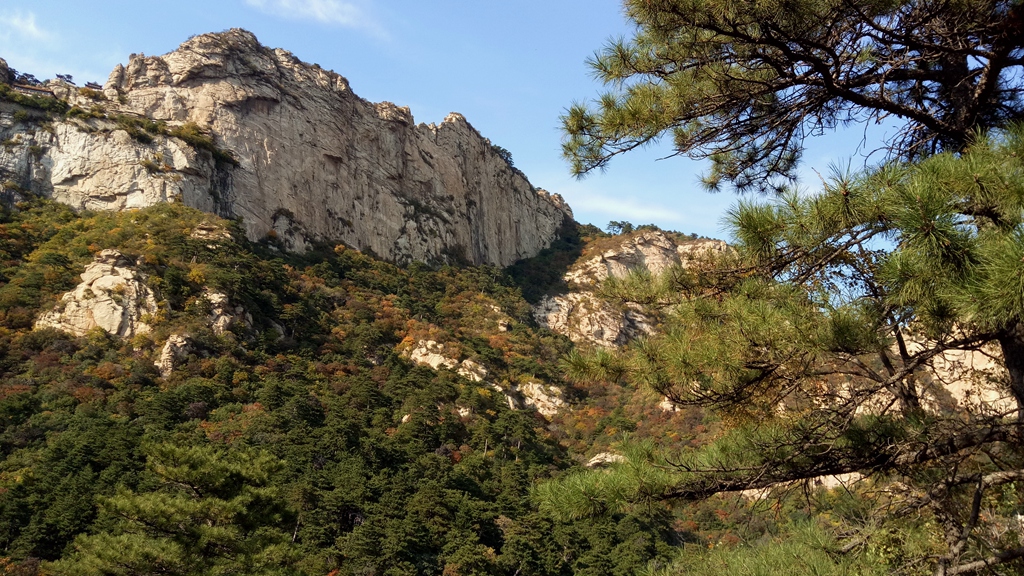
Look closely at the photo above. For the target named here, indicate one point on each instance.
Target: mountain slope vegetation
(302, 439)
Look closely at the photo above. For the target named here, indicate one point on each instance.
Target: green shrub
(503, 153)
(91, 94)
(47, 104)
(83, 114)
(151, 165)
(194, 136)
(139, 128)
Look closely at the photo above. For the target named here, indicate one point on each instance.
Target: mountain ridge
(231, 127)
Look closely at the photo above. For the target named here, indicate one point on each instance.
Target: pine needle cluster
(743, 83)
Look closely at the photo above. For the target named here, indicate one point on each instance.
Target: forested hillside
(304, 439)
(839, 390)
(300, 440)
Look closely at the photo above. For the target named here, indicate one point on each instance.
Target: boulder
(112, 296)
(175, 349)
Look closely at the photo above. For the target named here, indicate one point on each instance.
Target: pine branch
(882, 458)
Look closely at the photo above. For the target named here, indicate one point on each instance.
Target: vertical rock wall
(314, 161)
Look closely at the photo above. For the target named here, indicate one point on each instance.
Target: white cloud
(24, 44)
(621, 208)
(331, 12)
(36, 49)
(21, 26)
(606, 197)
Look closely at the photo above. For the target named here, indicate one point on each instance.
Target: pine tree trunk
(1012, 342)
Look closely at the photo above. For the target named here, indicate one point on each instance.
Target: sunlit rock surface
(111, 296)
(314, 161)
(586, 318)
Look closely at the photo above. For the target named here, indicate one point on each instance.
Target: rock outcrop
(604, 459)
(95, 165)
(431, 353)
(583, 316)
(112, 296)
(5, 72)
(652, 250)
(287, 147)
(175, 349)
(971, 380)
(541, 397)
(223, 316)
(544, 398)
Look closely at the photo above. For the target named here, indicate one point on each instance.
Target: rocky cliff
(112, 296)
(5, 72)
(229, 126)
(585, 317)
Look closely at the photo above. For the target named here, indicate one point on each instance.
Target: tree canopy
(744, 82)
(828, 339)
(300, 441)
(215, 512)
(874, 329)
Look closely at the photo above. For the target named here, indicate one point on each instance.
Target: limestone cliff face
(5, 72)
(585, 317)
(112, 296)
(314, 161)
(96, 166)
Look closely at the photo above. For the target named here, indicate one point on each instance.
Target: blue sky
(510, 67)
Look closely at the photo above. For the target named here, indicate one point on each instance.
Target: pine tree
(211, 511)
(816, 341)
(743, 82)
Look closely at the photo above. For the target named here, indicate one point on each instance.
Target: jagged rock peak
(292, 151)
(5, 72)
(233, 53)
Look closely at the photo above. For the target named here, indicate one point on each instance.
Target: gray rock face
(585, 318)
(315, 161)
(97, 166)
(111, 296)
(175, 349)
(5, 72)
